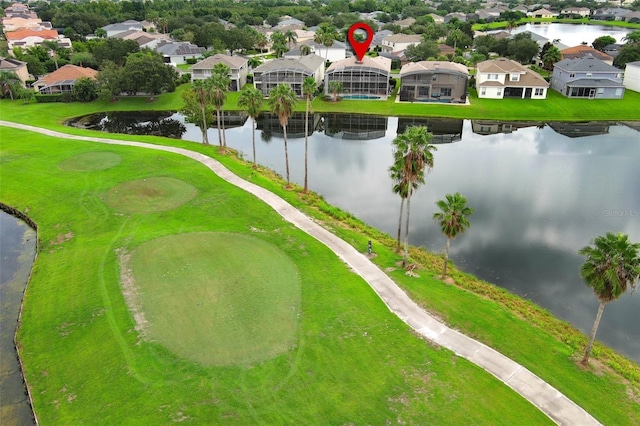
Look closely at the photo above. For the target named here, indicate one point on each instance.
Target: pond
(573, 34)
(17, 252)
(541, 191)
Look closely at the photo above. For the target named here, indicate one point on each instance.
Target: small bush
(183, 79)
(192, 61)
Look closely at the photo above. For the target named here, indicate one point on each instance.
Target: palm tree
(279, 43)
(401, 187)
(612, 265)
(335, 87)
(412, 152)
(251, 100)
(309, 87)
(254, 62)
(261, 41)
(305, 50)
(326, 35)
(452, 219)
(550, 57)
(220, 83)
(199, 97)
(291, 37)
(632, 37)
(282, 100)
(8, 80)
(52, 48)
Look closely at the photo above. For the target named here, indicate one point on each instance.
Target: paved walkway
(550, 401)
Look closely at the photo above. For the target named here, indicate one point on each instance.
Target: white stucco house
(504, 78)
(632, 76)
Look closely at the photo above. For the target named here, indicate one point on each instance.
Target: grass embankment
(351, 362)
(555, 108)
(515, 327)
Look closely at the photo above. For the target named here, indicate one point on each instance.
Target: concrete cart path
(549, 400)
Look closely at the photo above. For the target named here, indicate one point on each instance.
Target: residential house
(612, 49)
(434, 81)
(504, 78)
(577, 12)
(143, 38)
(398, 42)
(490, 127)
(521, 9)
(632, 17)
(18, 23)
(378, 37)
(176, 53)
(437, 19)
(541, 13)
(288, 22)
(462, 17)
(113, 29)
(609, 14)
(288, 71)
(632, 76)
(33, 37)
(446, 50)
(405, 23)
(63, 79)
(587, 77)
(366, 79)
(583, 51)
(336, 52)
(237, 64)
(15, 66)
(489, 14)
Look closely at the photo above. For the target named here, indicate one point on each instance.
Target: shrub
(191, 61)
(45, 99)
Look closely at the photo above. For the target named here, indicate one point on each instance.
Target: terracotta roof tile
(68, 72)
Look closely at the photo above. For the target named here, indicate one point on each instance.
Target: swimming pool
(360, 97)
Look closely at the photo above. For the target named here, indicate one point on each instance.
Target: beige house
(19, 68)
(368, 79)
(398, 42)
(17, 23)
(63, 79)
(238, 65)
(504, 78)
(541, 13)
(33, 37)
(434, 81)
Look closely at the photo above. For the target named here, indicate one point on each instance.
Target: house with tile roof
(63, 79)
(238, 66)
(143, 38)
(15, 66)
(366, 79)
(580, 12)
(433, 81)
(582, 51)
(32, 37)
(504, 78)
(11, 23)
(541, 13)
(177, 53)
(631, 78)
(587, 78)
(290, 71)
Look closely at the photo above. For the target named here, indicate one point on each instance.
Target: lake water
(17, 251)
(573, 34)
(541, 191)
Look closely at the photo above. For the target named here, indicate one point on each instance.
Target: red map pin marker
(360, 48)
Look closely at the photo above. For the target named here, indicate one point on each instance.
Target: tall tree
(220, 81)
(291, 37)
(197, 105)
(52, 48)
(632, 37)
(401, 187)
(612, 266)
(251, 100)
(282, 100)
(412, 152)
(452, 219)
(326, 34)
(309, 87)
(602, 41)
(335, 87)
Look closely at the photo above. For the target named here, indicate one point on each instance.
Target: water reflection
(578, 130)
(444, 130)
(539, 197)
(269, 125)
(355, 126)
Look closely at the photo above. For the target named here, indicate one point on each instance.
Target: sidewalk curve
(549, 400)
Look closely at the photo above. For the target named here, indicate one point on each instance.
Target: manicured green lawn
(351, 361)
(512, 326)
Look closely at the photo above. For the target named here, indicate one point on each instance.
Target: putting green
(150, 195)
(90, 161)
(216, 298)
